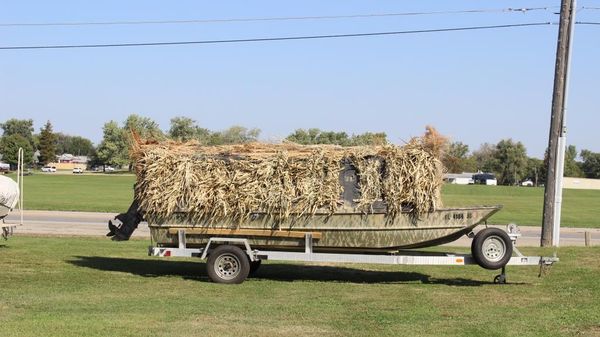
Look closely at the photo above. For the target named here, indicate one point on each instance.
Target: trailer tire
(492, 248)
(228, 265)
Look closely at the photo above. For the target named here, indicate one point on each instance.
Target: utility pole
(557, 137)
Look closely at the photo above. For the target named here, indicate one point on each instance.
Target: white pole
(558, 192)
(562, 140)
(20, 168)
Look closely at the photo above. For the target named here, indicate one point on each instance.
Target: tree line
(507, 159)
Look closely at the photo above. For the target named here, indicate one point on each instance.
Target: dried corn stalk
(227, 184)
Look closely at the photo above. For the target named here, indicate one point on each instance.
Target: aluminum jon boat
(343, 230)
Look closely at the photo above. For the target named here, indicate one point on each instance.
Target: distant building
(67, 161)
(464, 178)
(69, 158)
(468, 178)
(581, 183)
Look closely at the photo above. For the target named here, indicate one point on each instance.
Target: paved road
(95, 224)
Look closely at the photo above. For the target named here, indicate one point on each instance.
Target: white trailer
(231, 259)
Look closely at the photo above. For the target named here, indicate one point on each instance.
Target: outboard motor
(125, 223)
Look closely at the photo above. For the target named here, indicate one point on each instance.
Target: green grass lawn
(113, 193)
(524, 205)
(95, 287)
(91, 193)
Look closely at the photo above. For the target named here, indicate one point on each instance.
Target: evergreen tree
(47, 145)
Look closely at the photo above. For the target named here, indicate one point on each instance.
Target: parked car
(109, 169)
(77, 170)
(527, 183)
(48, 169)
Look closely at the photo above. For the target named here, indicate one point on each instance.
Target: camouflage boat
(348, 228)
(343, 230)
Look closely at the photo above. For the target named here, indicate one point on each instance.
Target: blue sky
(476, 86)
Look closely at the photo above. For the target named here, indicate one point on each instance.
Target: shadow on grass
(269, 271)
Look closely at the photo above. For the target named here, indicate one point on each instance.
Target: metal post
(20, 174)
(556, 142)
(308, 243)
(560, 163)
(588, 239)
(562, 140)
(182, 244)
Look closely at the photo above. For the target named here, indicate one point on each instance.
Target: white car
(77, 170)
(109, 169)
(527, 183)
(48, 169)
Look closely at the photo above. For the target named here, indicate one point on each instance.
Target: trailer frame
(402, 257)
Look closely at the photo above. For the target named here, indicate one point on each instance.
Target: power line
(285, 18)
(267, 39)
(587, 23)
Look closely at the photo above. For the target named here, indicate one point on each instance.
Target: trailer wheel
(254, 265)
(492, 248)
(228, 264)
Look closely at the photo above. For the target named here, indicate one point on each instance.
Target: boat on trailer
(346, 229)
(235, 251)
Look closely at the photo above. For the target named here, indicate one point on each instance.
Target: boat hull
(345, 230)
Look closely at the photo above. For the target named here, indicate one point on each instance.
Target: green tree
(145, 127)
(182, 128)
(185, 129)
(484, 157)
(47, 145)
(113, 150)
(75, 145)
(234, 135)
(591, 164)
(13, 126)
(305, 137)
(9, 148)
(22, 127)
(510, 162)
(334, 138)
(316, 136)
(572, 168)
(455, 157)
(369, 138)
(535, 171)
